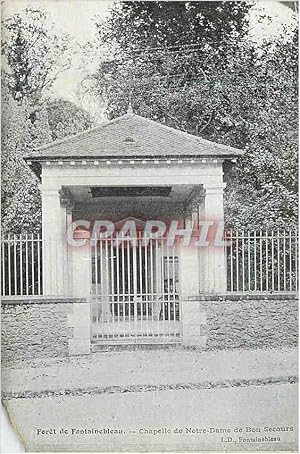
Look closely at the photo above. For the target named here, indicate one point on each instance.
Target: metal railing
(261, 261)
(21, 265)
(135, 295)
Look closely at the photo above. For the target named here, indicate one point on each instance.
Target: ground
(136, 391)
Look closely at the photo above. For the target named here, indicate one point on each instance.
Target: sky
(75, 17)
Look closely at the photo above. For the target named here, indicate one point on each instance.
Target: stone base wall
(33, 329)
(251, 322)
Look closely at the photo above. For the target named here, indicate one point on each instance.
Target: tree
(158, 47)
(262, 187)
(139, 25)
(66, 118)
(21, 197)
(229, 90)
(20, 194)
(34, 55)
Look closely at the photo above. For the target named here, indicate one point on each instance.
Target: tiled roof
(132, 136)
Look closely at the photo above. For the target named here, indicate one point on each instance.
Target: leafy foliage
(193, 68)
(20, 195)
(136, 25)
(65, 118)
(262, 188)
(33, 55)
(21, 198)
(187, 64)
(161, 49)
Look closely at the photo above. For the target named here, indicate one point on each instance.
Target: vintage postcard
(149, 249)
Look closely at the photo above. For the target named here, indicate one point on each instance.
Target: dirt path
(150, 368)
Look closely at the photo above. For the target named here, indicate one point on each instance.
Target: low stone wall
(34, 328)
(39, 328)
(250, 321)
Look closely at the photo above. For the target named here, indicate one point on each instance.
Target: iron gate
(135, 291)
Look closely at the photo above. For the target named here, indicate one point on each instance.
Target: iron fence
(135, 290)
(260, 261)
(21, 265)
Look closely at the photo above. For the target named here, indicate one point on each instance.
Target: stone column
(69, 220)
(80, 320)
(198, 216)
(214, 258)
(189, 264)
(55, 274)
(81, 265)
(192, 317)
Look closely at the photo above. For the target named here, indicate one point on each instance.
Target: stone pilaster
(214, 257)
(55, 273)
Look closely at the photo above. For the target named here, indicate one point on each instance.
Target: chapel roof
(131, 136)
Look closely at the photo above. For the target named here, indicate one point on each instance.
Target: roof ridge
(174, 131)
(82, 133)
(110, 139)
